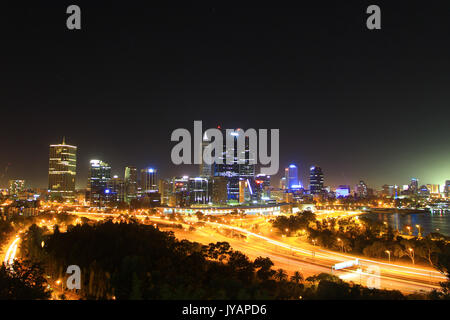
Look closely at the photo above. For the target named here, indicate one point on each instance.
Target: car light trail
(11, 252)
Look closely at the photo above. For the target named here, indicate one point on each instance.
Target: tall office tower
(414, 186)
(180, 193)
(283, 183)
(165, 188)
(16, 186)
(130, 181)
(97, 191)
(390, 190)
(116, 187)
(291, 174)
(264, 180)
(315, 180)
(263, 185)
(235, 170)
(199, 191)
(219, 190)
(149, 180)
(62, 170)
(361, 190)
(447, 188)
(205, 170)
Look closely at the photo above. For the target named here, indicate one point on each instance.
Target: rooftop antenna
(64, 140)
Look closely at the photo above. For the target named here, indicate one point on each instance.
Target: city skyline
(360, 104)
(193, 170)
(225, 156)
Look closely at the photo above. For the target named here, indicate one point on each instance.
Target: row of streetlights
(411, 250)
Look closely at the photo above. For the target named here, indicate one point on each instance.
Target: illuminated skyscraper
(315, 180)
(235, 170)
(291, 174)
(180, 193)
(447, 188)
(16, 186)
(165, 187)
(116, 187)
(149, 180)
(199, 191)
(98, 193)
(283, 183)
(414, 186)
(219, 190)
(62, 171)
(206, 170)
(361, 190)
(130, 180)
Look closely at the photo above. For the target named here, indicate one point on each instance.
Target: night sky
(371, 105)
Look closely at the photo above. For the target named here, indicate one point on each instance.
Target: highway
(310, 259)
(10, 255)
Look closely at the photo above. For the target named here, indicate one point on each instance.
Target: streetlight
(342, 244)
(389, 254)
(411, 250)
(409, 229)
(418, 227)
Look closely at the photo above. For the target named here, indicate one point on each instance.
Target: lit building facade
(361, 190)
(343, 191)
(199, 191)
(116, 187)
(235, 170)
(149, 180)
(97, 192)
(16, 186)
(447, 188)
(62, 170)
(291, 174)
(130, 181)
(219, 190)
(315, 180)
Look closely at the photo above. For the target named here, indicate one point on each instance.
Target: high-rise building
(130, 180)
(235, 170)
(315, 180)
(283, 183)
(447, 188)
(116, 187)
(165, 187)
(149, 180)
(361, 190)
(291, 174)
(180, 193)
(219, 190)
(205, 170)
(62, 168)
(390, 190)
(97, 192)
(414, 186)
(16, 186)
(263, 186)
(199, 191)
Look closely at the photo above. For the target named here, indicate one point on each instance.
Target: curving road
(311, 259)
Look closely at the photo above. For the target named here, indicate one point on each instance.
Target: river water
(436, 222)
